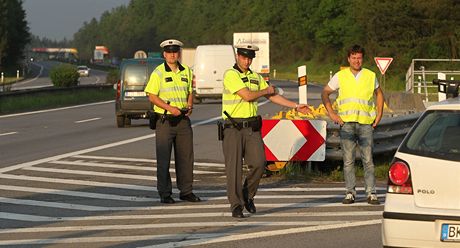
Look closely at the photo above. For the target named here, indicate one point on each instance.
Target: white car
(83, 70)
(422, 205)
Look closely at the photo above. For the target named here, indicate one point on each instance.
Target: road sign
(383, 63)
(294, 140)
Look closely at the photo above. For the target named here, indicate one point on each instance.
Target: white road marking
(151, 188)
(167, 225)
(38, 218)
(120, 238)
(82, 207)
(70, 154)
(144, 199)
(56, 109)
(95, 173)
(88, 120)
(93, 149)
(220, 165)
(10, 133)
(33, 79)
(121, 166)
(81, 182)
(263, 234)
(78, 194)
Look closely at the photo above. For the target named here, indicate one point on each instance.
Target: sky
(59, 19)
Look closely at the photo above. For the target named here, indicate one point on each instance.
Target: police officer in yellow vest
(357, 116)
(170, 90)
(242, 138)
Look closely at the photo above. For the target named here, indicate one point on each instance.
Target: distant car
(131, 102)
(83, 70)
(422, 205)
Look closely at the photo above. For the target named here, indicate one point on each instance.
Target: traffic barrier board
(294, 140)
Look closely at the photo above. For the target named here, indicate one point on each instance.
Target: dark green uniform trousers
(181, 138)
(239, 144)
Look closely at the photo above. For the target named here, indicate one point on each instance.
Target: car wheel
(127, 121)
(121, 120)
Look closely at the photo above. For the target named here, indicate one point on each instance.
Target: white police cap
(171, 45)
(247, 50)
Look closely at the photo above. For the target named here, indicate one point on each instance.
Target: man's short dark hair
(355, 49)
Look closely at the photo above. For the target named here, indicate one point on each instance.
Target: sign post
(302, 80)
(383, 64)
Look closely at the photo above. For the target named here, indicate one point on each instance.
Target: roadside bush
(112, 77)
(64, 75)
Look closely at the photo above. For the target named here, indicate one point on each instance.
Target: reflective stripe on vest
(174, 87)
(233, 103)
(356, 96)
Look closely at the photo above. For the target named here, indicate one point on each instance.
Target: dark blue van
(131, 102)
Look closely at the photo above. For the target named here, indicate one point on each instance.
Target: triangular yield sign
(383, 63)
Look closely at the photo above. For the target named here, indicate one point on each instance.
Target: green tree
(14, 33)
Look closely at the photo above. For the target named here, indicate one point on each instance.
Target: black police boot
(238, 212)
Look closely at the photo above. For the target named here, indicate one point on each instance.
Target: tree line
(14, 34)
(313, 30)
(300, 30)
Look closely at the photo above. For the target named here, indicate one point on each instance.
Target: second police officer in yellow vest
(241, 136)
(170, 90)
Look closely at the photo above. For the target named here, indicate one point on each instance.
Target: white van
(211, 62)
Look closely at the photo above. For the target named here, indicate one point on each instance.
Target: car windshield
(135, 76)
(82, 68)
(436, 135)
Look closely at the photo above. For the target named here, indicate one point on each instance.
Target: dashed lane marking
(10, 133)
(88, 120)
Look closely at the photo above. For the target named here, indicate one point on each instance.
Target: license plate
(450, 232)
(135, 93)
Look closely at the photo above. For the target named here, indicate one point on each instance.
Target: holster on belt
(153, 117)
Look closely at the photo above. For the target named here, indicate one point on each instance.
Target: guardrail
(387, 136)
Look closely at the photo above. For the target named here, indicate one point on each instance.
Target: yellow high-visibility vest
(356, 96)
(235, 80)
(174, 87)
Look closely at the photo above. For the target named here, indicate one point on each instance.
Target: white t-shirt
(334, 82)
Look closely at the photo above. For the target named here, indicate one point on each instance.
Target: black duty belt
(243, 123)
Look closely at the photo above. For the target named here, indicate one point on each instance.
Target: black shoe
(249, 205)
(190, 197)
(238, 212)
(167, 200)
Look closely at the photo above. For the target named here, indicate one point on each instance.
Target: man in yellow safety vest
(357, 116)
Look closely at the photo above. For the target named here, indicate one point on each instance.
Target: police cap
(171, 45)
(247, 50)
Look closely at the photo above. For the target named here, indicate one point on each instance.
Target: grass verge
(331, 171)
(39, 100)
